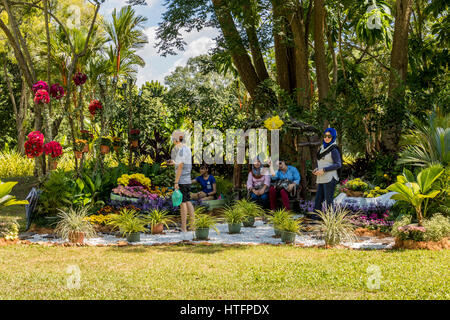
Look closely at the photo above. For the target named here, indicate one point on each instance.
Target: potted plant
(355, 188)
(158, 219)
(202, 223)
(234, 217)
(289, 229)
(251, 210)
(129, 224)
(278, 218)
(74, 226)
(105, 145)
(54, 150)
(79, 147)
(116, 143)
(86, 135)
(335, 225)
(134, 137)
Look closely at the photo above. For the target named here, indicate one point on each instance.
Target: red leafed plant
(41, 96)
(40, 85)
(86, 135)
(134, 134)
(57, 91)
(79, 78)
(94, 106)
(35, 144)
(53, 148)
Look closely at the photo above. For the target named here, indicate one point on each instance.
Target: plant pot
(78, 154)
(53, 165)
(76, 237)
(134, 237)
(202, 233)
(134, 143)
(277, 232)
(86, 148)
(351, 193)
(249, 222)
(104, 149)
(157, 228)
(234, 228)
(288, 237)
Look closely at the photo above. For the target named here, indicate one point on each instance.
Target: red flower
(79, 78)
(40, 85)
(53, 149)
(34, 144)
(94, 106)
(41, 96)
(57, 91)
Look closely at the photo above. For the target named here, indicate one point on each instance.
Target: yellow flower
(273, 123)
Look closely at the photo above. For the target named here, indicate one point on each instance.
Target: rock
(26, 235)
(383, 200)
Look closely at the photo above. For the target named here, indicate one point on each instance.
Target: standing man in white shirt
(183, 167)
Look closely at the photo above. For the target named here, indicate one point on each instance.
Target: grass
(218, 272)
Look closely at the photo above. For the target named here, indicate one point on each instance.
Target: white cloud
(157, 67)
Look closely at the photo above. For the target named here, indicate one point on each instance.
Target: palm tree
(125, 31)
(429, 143)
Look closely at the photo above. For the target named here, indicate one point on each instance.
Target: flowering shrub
(273, 123)
(306, 206)
(134, 192)
(376, 192)
(134, 134)
(137, 179)
(53, 148)
(94, 106)
(56, 91)
(41, 97)
(372, 222)
(34, 146)
(86, 135)
(40, 85)
(79, 78)
(356, 185)
(99, 219)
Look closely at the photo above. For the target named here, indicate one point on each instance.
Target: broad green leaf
(428, 176)
(408, 175)
(6, 187)
(80, 184)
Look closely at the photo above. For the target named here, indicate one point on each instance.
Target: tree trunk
(399, 67)
(255, 48)
(284, 54)
(323, 81)
(236, 47)
(299, 27)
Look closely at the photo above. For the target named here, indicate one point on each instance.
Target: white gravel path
(260, 234)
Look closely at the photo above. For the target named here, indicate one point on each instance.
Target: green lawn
(217, 272)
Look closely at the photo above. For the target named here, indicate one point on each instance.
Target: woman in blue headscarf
(328, 162)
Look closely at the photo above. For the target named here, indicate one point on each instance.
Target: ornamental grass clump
(202, 223)
(74, 221)
(335, 225)
(128, 221)
(250, 209)
(278, 217)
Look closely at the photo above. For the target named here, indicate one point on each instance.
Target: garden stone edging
(383, 200)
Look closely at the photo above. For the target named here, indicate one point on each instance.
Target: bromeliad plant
(74, 224)
(417, 191)
(128, 221)
(335, 225)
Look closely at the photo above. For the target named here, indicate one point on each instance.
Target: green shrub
(13, 164)
(437, 228)
(57, 193)
(224, 186)
(9, 228)
(400, 222)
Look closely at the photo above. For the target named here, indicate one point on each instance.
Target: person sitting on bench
(284, 181)
(258, 184)
(208, 184)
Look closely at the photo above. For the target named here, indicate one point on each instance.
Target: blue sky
(158, 67)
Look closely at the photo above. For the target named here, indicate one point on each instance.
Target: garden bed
(429, 245)
(260, 234)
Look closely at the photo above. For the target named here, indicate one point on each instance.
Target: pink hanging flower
(41, 96)
(40, 85)
(53, 148)
(57, 91)
(79, 78)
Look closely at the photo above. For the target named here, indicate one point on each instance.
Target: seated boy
(208, 184)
